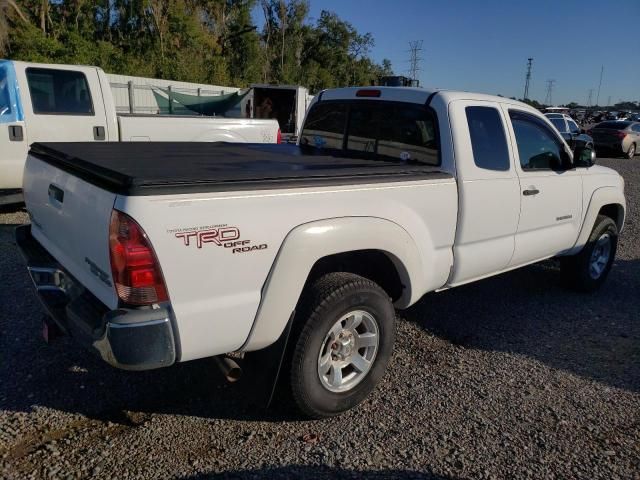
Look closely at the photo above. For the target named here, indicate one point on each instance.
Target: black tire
(576, 269)
(632, 151)
(322, 305)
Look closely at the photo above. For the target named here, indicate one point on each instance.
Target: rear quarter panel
(215, 292)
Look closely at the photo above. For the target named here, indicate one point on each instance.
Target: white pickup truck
(71, 103)
(153, 254)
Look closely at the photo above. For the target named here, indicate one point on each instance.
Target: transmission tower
(548, 99)
(590, 97)
(599, 85)
(528, 79)
(415, 48)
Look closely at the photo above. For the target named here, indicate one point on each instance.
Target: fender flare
(308, 243)
(600, 197)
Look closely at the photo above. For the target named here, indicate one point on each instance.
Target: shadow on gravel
(320, 472)
(528, 312)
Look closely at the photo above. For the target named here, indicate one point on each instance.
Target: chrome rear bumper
(127, 338)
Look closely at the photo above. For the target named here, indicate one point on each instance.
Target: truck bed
(153, 168)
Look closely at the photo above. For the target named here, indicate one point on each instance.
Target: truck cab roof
(411, 95)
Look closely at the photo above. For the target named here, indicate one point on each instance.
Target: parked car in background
(570, 131)
(617, 137)
(635, 117)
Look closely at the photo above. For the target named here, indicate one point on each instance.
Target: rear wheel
(347, 330)
(632, 151)
(588, 270)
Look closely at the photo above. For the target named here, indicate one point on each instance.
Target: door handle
(98, 133)
(56, 193)
(15, 133)
(530, 191)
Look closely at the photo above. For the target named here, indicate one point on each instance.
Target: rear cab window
(373, 129)
(59, 92)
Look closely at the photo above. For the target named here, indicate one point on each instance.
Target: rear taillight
(135, 268)
(279, 137)
(621, 135)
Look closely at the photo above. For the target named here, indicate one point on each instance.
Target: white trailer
(285, 103)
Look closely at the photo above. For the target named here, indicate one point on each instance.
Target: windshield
(5, 101)
(10, 107)
(613, 125)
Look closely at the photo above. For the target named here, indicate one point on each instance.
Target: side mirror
(584, 157)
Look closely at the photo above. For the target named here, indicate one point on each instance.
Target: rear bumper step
(127, 338)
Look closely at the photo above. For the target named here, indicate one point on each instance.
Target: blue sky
(483, 45)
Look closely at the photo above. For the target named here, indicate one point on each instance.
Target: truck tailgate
(70, 218)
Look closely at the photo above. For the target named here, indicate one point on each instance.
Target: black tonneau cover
(152, 168)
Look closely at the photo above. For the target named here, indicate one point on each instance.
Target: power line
(548, 99)
(599, 85)
(415, 48)
(528, 79)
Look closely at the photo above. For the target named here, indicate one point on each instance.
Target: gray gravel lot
(509, 377)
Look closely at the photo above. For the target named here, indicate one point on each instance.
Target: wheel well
(614, 212)
(372, 264)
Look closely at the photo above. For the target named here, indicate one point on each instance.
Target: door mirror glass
(584, 157)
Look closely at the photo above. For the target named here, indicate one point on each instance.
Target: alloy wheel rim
(600, 256)
(348, 351)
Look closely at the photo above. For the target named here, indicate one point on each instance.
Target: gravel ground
(509, 377)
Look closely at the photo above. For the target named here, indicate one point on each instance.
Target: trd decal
(217, 236)
(220, 235)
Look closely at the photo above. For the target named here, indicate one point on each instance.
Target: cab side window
(538, 147)
(59, 92)
(488, 141)
(573, 127)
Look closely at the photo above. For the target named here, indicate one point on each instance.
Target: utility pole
(590, 97)
(415, 48)
(548, 99)
(599, 85)
(528, 79)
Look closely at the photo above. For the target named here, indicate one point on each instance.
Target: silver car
(617, 137)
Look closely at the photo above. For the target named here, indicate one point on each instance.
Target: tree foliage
(204, 41)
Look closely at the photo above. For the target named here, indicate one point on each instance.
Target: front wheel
(632, 151)
(347, 331)
(587, 270)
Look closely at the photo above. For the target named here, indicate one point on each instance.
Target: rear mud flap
(262, 369)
